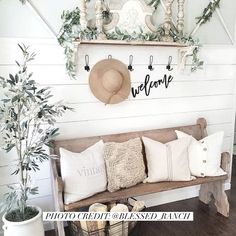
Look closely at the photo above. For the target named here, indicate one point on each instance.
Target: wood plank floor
(207, 222)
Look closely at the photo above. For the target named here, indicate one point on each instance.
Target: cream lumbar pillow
(205, 155)
(124, 164)
(84, 173)
(167, 162)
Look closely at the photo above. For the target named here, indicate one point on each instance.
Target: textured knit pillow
(124, 164)
(84, 173)
(205, 155)
(167, 162)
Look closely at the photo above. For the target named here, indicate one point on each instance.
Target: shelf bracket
(183, 54)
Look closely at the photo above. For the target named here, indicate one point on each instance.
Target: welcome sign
(149, 84)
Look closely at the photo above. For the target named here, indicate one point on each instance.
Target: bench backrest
(198, 131)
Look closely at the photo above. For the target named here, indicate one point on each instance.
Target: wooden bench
(210, 186)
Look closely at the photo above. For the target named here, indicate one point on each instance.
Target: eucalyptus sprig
(208, 12)
(138, 36)
(154, 3)
(70, 20)
(197, 63)
(27, 119)
(66, 37)
(69, 32)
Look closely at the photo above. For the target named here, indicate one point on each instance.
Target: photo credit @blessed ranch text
(120, 216)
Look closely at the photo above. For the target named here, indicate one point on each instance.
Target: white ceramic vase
(31, 227)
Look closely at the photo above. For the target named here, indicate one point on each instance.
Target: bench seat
(138, 190)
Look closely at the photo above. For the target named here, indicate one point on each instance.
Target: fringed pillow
(124, 164)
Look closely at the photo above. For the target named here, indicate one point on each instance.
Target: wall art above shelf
(128, 43)
(130, 22)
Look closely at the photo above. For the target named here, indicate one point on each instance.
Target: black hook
(168, 67)
(130, 67)
(87, 68)
(109, 56)
(150, 67)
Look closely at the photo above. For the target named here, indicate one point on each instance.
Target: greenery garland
(71, 30)
(208, 12)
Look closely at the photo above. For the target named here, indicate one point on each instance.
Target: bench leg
(215, 189)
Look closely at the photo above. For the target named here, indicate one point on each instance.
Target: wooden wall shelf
(134, 43)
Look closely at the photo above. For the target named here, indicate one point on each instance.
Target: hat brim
(96, 85)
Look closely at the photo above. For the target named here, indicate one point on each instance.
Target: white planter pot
(31, 227)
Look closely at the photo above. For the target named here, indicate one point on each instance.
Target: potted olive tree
(27, 121)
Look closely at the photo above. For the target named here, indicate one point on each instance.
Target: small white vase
(31, 227)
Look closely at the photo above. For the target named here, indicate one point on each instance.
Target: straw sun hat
(109, 81)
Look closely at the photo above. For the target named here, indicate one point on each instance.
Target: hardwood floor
(207, 222)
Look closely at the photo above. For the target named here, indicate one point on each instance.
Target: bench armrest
(58, 197)
(225, 160)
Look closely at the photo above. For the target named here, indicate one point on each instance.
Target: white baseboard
(156, 199)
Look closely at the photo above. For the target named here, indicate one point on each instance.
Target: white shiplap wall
(209, 93)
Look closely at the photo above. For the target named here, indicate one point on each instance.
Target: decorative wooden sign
(133, 16)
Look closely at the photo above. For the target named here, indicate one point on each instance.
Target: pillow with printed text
(84, 173)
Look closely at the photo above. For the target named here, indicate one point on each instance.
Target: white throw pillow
(84, 174)
(205, 155)
(167, 162)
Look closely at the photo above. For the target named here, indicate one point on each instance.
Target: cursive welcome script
(148, 85)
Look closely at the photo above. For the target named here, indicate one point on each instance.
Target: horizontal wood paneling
(10, 157)
(7, 178)
(6, 158)
(43, 202)
(208, 93)
(227, 145)
(133, 108)
(46, 53)
(223, 55)
(44, 187)
(227, 128)
(96, 127)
